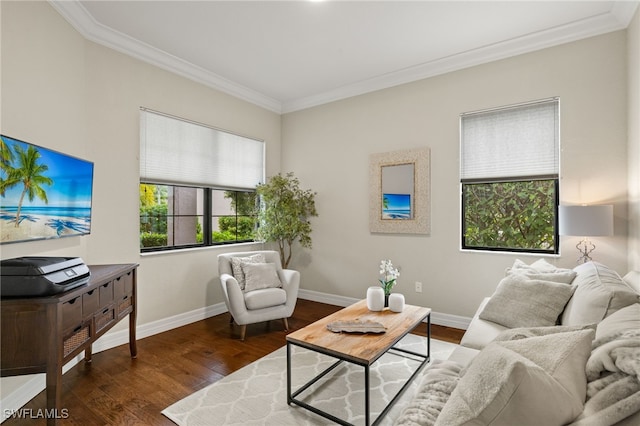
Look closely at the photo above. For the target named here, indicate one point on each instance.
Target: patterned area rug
(257, 393)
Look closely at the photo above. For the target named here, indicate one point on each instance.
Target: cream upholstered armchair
(256, 288)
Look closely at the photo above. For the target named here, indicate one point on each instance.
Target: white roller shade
(517, 141)
(175, 151)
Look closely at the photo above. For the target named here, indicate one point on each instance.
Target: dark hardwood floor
(117, 390)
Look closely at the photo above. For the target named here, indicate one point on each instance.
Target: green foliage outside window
(510, 215)
(153, 225)
(243, 203)
(243, 226)
(153, 215)
(242, 229)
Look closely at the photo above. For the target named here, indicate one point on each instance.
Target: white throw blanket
(440, 380)
(613, 380)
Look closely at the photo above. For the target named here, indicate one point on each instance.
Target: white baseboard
(37, 383)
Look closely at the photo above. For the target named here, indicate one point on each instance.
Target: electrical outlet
(418, 287)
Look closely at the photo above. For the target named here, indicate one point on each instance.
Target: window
(233, 215)
(509, 171)
(197, 184)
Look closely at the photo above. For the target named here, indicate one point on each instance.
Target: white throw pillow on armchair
(260, 275)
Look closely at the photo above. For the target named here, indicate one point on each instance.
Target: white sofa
(550, 347)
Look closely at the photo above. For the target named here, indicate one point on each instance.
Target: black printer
(41, 276)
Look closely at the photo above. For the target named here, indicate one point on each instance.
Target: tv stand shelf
(42, 334)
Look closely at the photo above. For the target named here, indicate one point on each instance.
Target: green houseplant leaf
(284, 214)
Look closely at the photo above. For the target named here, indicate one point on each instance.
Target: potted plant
(284, 214)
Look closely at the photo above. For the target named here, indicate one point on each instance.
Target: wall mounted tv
(43, 193)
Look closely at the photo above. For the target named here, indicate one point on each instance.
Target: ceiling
(290, 55)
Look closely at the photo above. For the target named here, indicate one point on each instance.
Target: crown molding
(593, 26)
(78, 16)
(624, 11)
(74, 12)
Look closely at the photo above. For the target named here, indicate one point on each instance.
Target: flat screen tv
(43, 193)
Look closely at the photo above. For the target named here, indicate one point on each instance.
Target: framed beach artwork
(399, 194)
(396, 206)
(43, 193)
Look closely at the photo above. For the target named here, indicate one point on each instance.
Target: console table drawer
(90, 303)
(72, 313)
(104, 318)
(106, 294)
(123, 285)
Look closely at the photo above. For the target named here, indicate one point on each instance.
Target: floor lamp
(586, 221)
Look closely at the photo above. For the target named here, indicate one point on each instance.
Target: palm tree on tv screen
(29, 173)
(6, 157)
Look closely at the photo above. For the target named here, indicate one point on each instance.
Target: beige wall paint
(43, 80)
(66, 93)
(328, 147)
(633, 48)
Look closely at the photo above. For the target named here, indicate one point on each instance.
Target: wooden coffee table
(359, 349)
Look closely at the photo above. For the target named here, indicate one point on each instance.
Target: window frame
(207, 221)
(556, 236)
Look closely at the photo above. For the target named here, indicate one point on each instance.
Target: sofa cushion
(633, 280)
(599, 292)
(526, 332)
(522, 302)
(625, 319)
(480, 332)
(542, 270)
(260, 275)
(238, 261)
(533, 381)
(265, 298)
(463, 355)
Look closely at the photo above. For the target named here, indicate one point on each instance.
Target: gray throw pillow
(522, 302)
(260, 275)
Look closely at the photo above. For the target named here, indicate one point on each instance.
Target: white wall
(328, 148)
(633, 48)
(65, 93)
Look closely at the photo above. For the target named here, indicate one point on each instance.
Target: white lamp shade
(586, 221)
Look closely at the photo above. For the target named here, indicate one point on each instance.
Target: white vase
(396, 302)
(375, 298)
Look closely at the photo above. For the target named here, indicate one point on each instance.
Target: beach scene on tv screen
(43, 193)
(396, 206)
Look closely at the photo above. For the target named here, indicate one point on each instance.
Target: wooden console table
(42, 334)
